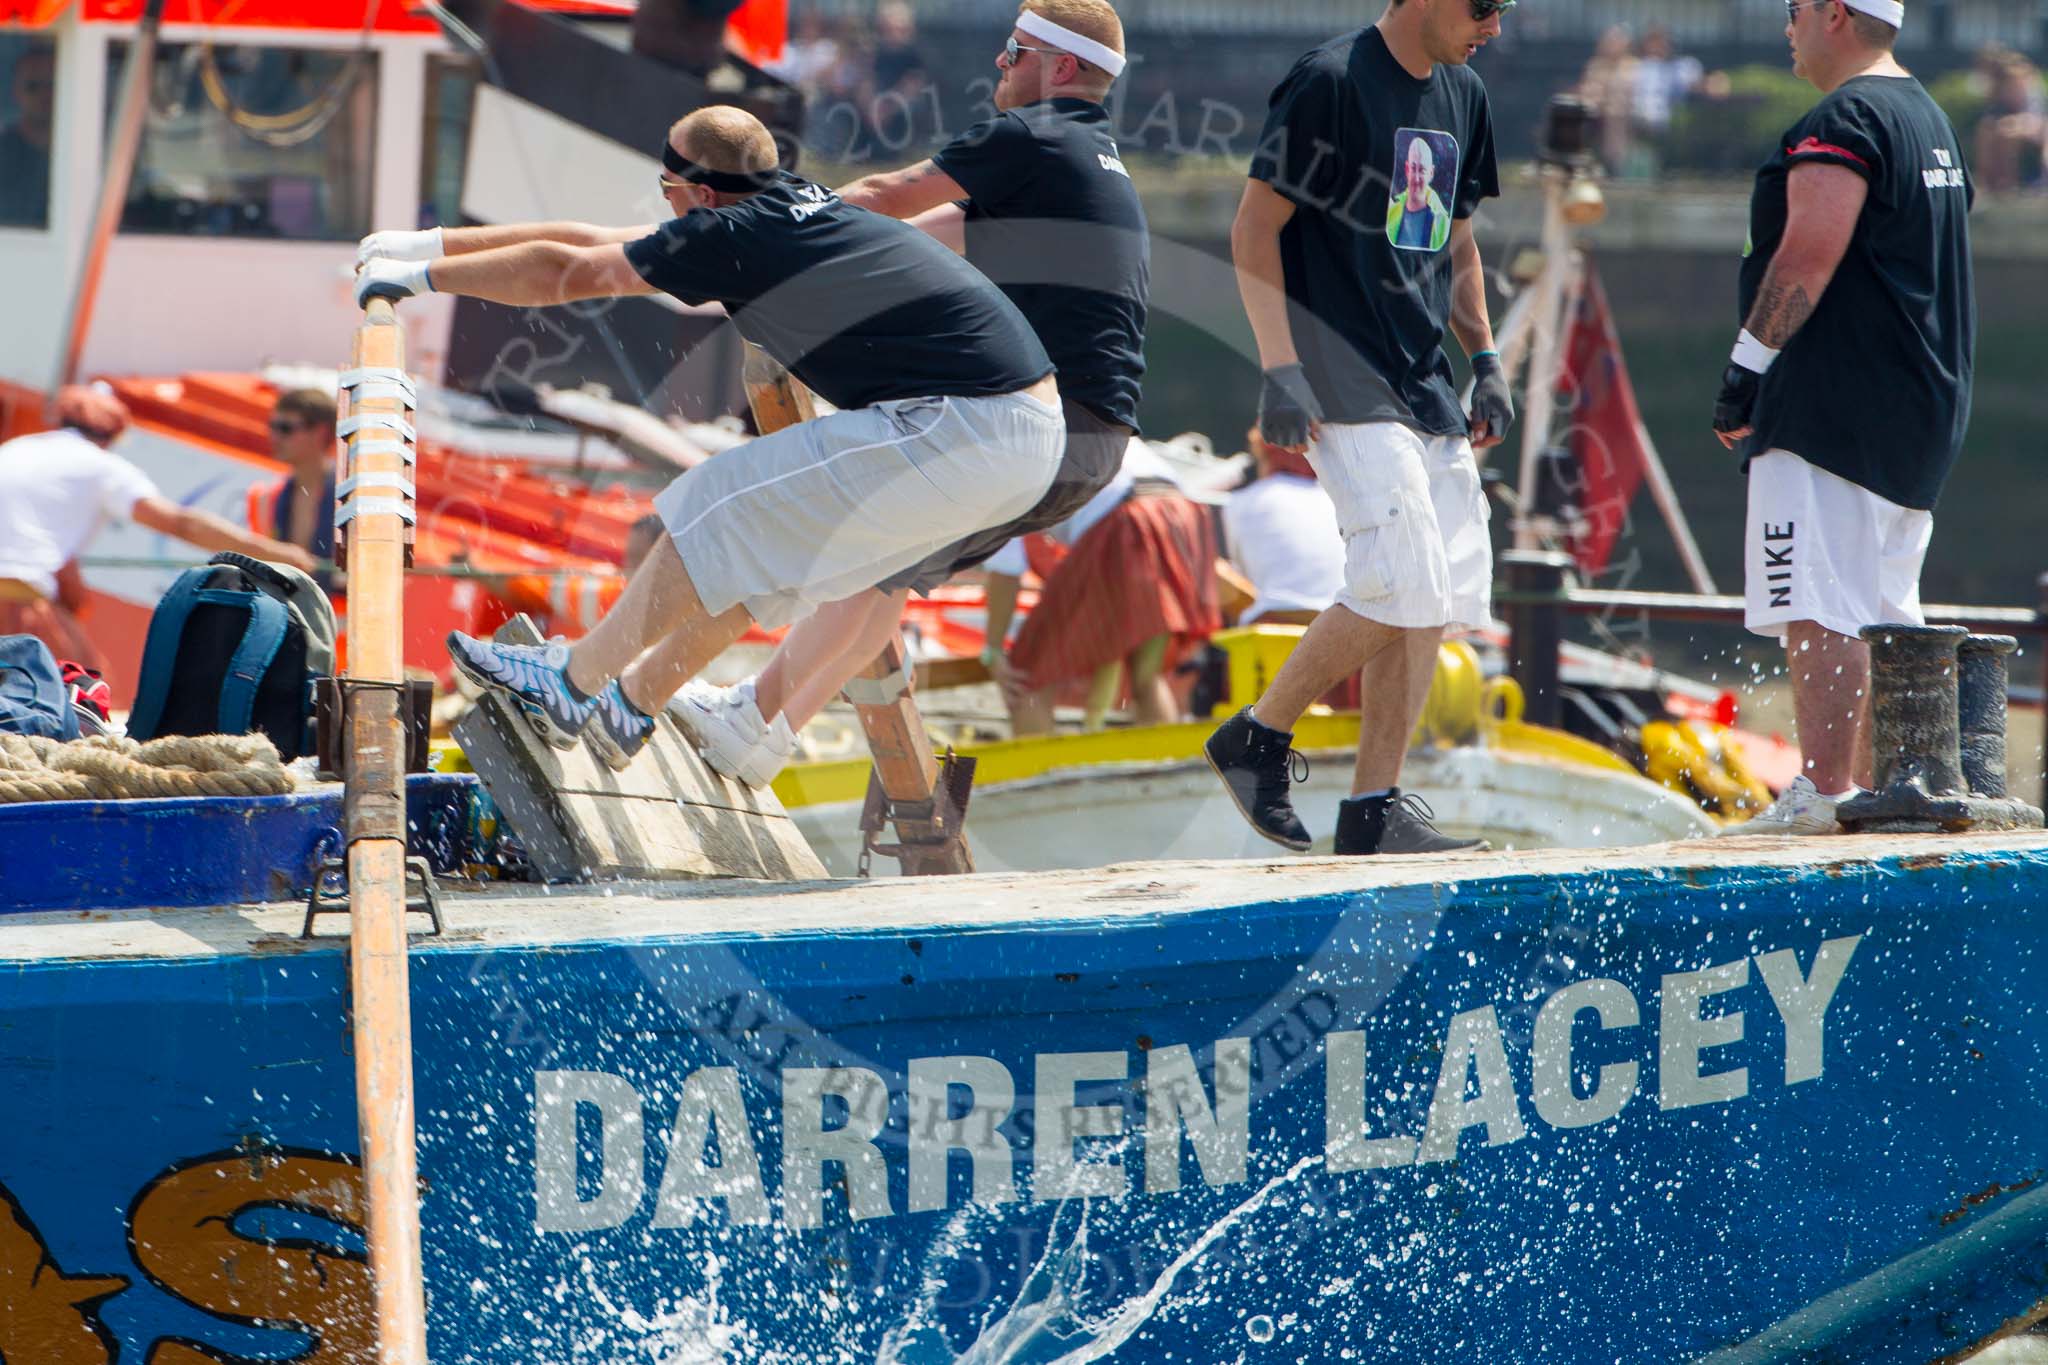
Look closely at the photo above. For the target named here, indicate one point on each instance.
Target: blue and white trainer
(535, 676)
(620, 730)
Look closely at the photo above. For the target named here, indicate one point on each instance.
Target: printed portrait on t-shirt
(1425, 184)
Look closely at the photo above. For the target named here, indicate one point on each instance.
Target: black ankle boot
(1395, 823)
(1254, 762)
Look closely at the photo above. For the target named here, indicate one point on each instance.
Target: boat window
(451, 95)
(28, 100)
(254, 142)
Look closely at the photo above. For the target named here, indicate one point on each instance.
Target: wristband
(1477, 356)
(1753, 355)
(990, 655)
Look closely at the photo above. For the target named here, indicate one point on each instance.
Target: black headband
(726, 182)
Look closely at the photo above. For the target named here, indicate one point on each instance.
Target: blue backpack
(236, 648)
(32, 696)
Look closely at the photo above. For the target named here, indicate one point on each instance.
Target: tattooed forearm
(1782, 308)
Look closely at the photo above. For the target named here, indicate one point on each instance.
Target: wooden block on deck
(667, 816)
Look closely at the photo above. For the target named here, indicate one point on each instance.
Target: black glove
(1735, 408)
(1493, 403)
(1287, 407)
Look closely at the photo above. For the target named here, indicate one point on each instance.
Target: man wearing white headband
(1038, 199)
(1355, 252)
(1848, 393)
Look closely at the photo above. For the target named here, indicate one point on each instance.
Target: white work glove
(392, 280)
(400, 245)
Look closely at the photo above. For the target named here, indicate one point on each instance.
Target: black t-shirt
(1378, 165)
(1876, 386)
(1053, 218)
(862, 308)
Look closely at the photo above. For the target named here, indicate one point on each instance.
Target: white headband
(1087, 49)
(1893, 12)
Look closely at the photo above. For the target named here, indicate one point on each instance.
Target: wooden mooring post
(375, 515)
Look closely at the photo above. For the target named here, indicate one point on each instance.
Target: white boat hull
(1093, 817)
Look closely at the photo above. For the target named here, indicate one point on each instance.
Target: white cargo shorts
(1418, 551)
(1819, 548)
(820, 511)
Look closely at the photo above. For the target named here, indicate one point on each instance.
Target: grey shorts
(1094, 453)
(821, 511)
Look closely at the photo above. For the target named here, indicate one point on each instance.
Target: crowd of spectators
(868, 87)
(1640, 90)
(2010, 142)
(1635, 90)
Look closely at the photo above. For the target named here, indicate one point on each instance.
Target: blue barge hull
(1738, 1101)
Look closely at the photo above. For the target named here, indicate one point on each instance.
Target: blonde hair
(1095, 19)
(722, 138)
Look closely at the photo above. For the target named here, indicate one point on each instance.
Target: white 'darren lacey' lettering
(621, 1152)
(935, 1134)
(711, 1101)
(807, 1144)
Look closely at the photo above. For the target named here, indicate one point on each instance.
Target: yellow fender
(1452, 713)
(1754, 796)
(1690, 759)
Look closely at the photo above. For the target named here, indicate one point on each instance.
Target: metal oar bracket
(369, 493)
(930, 835)
(329, 895)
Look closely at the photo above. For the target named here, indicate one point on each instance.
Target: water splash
(1045, 1325)
(694, 1331)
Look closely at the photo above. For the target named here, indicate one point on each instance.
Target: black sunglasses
(1482, 10)
(283, 427)
(1013, 50)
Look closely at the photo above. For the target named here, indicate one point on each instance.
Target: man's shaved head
(722, 138)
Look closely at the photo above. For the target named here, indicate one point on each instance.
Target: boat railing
(1538, 595)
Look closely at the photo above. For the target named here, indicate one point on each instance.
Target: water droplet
(1259, 1329)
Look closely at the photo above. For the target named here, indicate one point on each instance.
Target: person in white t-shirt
(1281, 532)
(57, 488)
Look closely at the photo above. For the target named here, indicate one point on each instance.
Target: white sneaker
(726, 726)
(1799, 810)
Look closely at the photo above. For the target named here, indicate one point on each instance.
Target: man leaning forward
(949, 418)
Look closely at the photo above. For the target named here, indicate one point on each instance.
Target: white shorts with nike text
(1819, 548)
(1417, 549)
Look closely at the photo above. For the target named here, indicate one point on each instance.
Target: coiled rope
(106, 768)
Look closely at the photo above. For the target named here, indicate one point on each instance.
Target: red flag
(1606, 437)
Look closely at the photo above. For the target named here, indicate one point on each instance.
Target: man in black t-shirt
(1849, 388)
(1039, 201)
(1354, 250)
(949, 417)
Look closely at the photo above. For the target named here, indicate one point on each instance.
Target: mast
(124, 142)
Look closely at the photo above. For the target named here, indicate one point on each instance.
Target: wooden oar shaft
(375, 813)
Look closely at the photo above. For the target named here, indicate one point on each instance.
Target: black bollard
(1913, 733)
(1980, 710)
(1916, 740)
(1536, 632)
(1981, 699)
